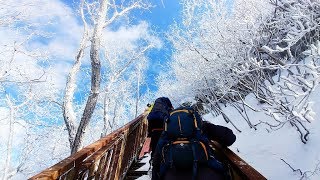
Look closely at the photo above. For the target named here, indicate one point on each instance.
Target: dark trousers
(203, 174)
(155, 136)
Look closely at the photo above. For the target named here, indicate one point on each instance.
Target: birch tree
(102, 14)
(123, 66)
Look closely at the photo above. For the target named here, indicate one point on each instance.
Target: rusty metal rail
(108, 158)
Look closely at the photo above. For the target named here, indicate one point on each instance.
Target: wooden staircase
(116, 156)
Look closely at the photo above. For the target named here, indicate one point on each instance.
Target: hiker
(159, 112)
(183, 150)
(148, 108)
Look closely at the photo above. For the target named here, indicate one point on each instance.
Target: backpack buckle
(171, 164)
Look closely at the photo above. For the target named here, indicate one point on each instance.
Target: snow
(144, 177)
(263, 148)
(145, 168)
(147, 165)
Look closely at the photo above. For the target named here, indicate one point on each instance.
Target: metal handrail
(108, 158)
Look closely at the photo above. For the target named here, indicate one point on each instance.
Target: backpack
(184, 147)
(159, 112)
(162, 104)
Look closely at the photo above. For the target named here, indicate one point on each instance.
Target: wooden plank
(121, 156)
(145, 148)
(114, 161)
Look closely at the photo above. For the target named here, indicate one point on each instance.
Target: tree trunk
(9, 142)
(138, 93)
(95, 77)
(106, 117)
(69, 114)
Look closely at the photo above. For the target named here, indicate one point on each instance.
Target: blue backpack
(185, 147)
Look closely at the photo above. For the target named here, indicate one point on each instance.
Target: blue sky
(66, 31)
(159, 17)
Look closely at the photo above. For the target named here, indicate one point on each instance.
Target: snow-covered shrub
(211, 40)
(288, 99)
(292, 28)
(223, 53)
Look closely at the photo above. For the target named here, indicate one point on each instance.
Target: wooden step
(136, 165)
(135, 174)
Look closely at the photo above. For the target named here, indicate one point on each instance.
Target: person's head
(168, 102)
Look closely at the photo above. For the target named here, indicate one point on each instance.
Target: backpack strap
(204, 149)
(195, 161)
(181, 141)
(179, 110)
(180, 127)
(166, 124)
(157, 129)
(170, 156)
(195, 121)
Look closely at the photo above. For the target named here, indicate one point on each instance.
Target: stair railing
(108, 158)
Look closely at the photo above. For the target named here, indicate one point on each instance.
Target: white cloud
(61, 43)
(66, 31)
(128, 36)
(59, 73)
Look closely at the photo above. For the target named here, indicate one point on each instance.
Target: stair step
(131, 175)
(137, 165)
(137, 173)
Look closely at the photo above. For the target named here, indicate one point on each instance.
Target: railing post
(124, 138)
(138, 140)
(103, 165)
(115, 155)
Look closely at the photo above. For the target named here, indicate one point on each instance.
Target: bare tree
(68, 109)
(117, 70)
(102, 14)
(19, 91)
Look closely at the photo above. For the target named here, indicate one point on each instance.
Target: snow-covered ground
(263, 149)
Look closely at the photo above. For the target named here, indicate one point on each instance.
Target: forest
(71, 73)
